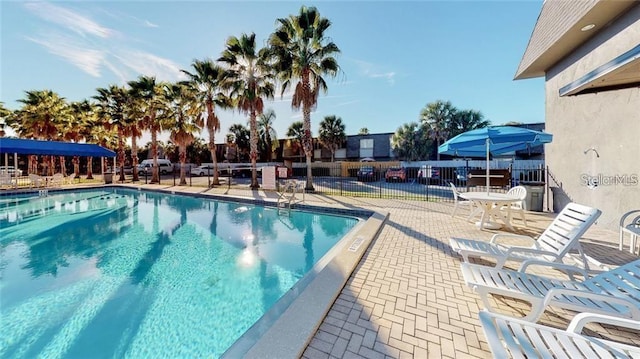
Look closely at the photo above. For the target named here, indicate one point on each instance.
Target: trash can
(535, 195)
(108, 177)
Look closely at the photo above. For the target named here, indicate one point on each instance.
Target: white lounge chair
(36, 180)
(517, 206)
(57, 180)
(7, 180)
(614, 292)
(632, 228)
(459, 202)
(514, 338)
(562, 235)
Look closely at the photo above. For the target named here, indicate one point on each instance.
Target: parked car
(367, 174)
(461, 174)
(128, 170)
(428, 174)
(395, 174)
(165, 166)
(11, 171)
(206, 170)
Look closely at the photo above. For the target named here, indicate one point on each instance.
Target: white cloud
(144, 63)
(73, 21)
(374, 71)
(88, 60)
(148, 23)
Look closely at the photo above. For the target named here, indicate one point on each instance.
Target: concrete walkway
(407, 299)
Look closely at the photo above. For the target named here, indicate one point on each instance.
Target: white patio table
(489, 204)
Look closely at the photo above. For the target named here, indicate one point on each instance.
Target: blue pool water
(114, 273)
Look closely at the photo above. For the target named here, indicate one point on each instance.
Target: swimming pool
(125, 273)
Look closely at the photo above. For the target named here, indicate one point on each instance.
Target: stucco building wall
(608, 121)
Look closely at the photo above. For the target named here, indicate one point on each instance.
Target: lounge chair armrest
(634, 311)
(566, 268)
(498, 236)
(582, 319)
(527, 250)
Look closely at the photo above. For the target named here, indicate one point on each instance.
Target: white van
(164, 166)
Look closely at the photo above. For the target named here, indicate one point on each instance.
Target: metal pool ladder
(290, 195)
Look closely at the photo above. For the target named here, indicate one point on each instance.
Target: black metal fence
(391, 180)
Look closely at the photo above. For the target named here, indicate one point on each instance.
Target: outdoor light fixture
(592, 149)
(588, 27)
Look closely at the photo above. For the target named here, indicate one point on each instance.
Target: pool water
(121, 273)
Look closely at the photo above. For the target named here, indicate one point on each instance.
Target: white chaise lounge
(562, 235)
(515, 338)
(615, 292)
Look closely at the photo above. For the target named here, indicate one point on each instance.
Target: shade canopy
(502, 140)
(55, 148)
(493, 141)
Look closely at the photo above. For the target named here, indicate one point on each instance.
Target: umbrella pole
(488, 172)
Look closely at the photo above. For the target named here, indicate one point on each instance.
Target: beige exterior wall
(609, 121)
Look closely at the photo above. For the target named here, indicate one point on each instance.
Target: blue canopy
(493, 140)
(56, 148)
(501, 140)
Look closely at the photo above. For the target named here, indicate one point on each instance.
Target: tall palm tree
(436, 117)
(206, 78)
(83, 117)
(302, 52)
(148, 90)
(331, 133)
(38, 119)
(267, 134)
(137, 107)
(183, 108)
(248, 79)
(296, 133)
(99, 134)
(112, 103)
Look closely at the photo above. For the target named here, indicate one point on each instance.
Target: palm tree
(331, 133)
(101, 135)
(267, 134)
(467, 120)
(436, 117)
(206, 79)
(241, 139)
(296, 133)
(363, 131)
(183, 108)
(150, 92)
(248, 79)
(136, 113)
(38, 118)
(5, 118)
(83, 117)
(409, 142)
(112, 109)
(303, 53)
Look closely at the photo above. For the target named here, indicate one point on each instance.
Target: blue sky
(395, 56)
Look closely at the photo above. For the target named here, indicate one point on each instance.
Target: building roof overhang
(558, 31)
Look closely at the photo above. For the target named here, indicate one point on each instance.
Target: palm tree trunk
(155, 176)
(212, 142)
(254, 149)
(76, 166)
(63, 166)
(183, 159)
(90, 168)
(134, 157)
(307, 145)
(121, 155)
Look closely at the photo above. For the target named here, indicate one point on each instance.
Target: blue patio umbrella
(496, 140)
